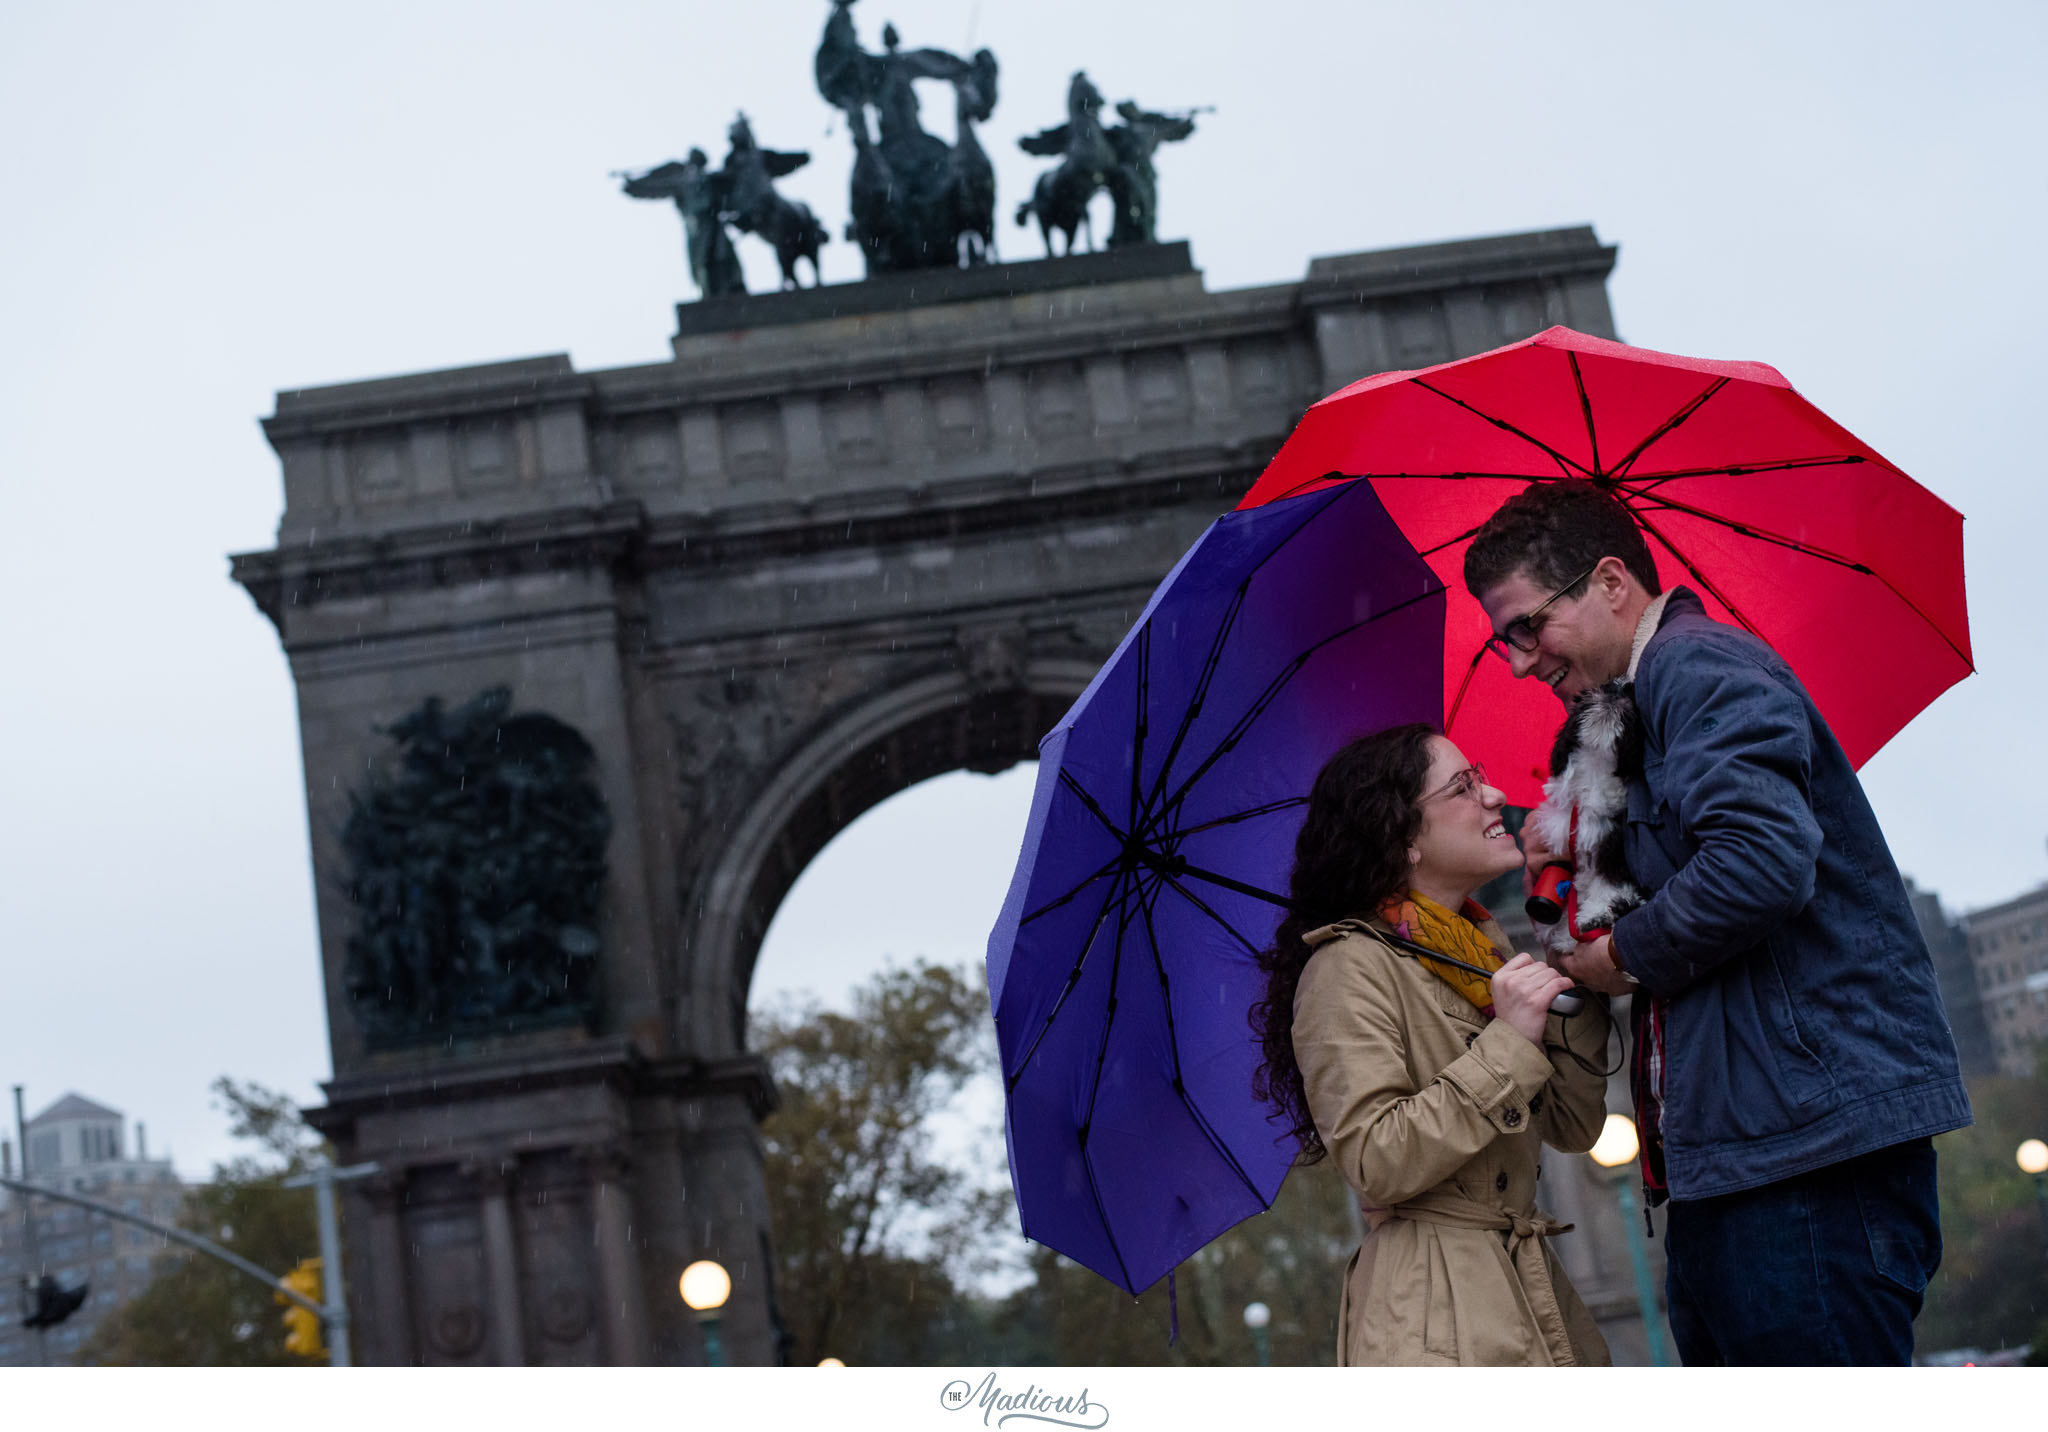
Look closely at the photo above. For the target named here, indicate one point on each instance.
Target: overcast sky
(207, 203)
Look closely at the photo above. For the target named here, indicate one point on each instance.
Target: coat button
(1512, 1118)
(1500, 1182)
(1468, 1040)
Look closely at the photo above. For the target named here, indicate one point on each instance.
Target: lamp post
(1615, 1152)
(705, 1287)
(1256, 1316)
(2032, 1158)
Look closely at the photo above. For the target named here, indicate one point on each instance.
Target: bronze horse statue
(1061, 197)
(970, 178)
(755, 207)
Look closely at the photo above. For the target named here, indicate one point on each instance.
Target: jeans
(1823, 1268)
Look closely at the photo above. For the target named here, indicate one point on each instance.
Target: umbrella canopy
(1782, 520)
(1124, 963)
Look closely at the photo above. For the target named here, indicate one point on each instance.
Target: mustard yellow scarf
(1414, 916)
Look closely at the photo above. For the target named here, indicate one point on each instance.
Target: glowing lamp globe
(1618, 1142)
(1257, 1315)
(830, 1362)
(706, 1286)
(2033, 1157)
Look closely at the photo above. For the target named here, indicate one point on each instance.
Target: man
(1793, 1057)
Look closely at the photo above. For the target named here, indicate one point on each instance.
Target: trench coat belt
(1524, 1248)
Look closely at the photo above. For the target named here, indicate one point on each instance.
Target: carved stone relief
(753, 442)
(379, 469)
(1059, 400)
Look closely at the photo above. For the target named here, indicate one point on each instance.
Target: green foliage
(879, 1246)
(873, 1235)
(1291, 1258)
(197, 1311)
(1992, 1288)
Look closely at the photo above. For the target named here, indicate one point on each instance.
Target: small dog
(1597, 749)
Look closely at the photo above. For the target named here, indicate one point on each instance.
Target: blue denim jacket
(1804, 1025)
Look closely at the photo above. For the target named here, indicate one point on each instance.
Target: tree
(874, 1237)
(198, 1311)
(1291, 1257)
(1992, 1288)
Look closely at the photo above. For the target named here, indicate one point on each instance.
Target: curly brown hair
(1363, 812)
(1554, 531)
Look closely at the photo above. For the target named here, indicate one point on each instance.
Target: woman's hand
(1522, 991)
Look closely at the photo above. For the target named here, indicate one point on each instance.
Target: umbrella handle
(1564, 1006)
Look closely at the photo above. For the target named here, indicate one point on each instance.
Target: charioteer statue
(917, 202)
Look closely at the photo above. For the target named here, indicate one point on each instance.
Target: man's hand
(1592, 965)
(1522, 992)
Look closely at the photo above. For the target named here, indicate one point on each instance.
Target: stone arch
(899, 736)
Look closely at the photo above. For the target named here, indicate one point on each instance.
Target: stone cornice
(1505, 258)
(613, 1061)
(623, 534)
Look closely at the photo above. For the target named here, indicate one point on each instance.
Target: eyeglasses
(1466, 783)
(1521, 632)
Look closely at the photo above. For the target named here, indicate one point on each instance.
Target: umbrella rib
(1669, 425)
(1051, 905)
(1067, 780)
(1200, 904)
(1643, 482)
(1073, 979)
(1095, 1092)
(1564, 463)
(1180, 1087)
(1699, 576)
(1177, 866)
(1458, 702)
(1215, 658)
(1235, 816)
(1266, 699)
(1200, 695)
(1747, 529)
(1586, 407)
(1858, 567)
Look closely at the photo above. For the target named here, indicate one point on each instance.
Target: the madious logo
(1031, 1403)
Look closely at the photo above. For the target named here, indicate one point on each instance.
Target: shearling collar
(1652, 618)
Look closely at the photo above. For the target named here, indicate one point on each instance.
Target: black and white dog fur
(1598, 748)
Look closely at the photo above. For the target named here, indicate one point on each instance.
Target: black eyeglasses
(1521, 632)
(1466, 783)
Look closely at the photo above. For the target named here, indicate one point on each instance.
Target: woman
(1431, 1086)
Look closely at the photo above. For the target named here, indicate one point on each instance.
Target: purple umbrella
(1155, 865)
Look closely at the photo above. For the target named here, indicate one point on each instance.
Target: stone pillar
(390, 1327)
(618, 1272)
(501, 1259)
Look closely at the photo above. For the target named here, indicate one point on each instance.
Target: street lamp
(706, 1286)
(830, 1362)
(1615, 1152)
(1256, 1316)
(2032, 1158)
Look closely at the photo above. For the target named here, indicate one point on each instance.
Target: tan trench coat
(1433, 1114)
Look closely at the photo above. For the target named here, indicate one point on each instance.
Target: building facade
(1956, 971)
(79, 1146)
(847, 539)
(2009, 947)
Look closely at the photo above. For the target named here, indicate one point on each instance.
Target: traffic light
(54, 1304)
(301, 1324)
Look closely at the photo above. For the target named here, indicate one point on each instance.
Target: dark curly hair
(1554, 531)
(1352, 854)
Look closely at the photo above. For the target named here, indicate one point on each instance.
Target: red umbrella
(1781, 519)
